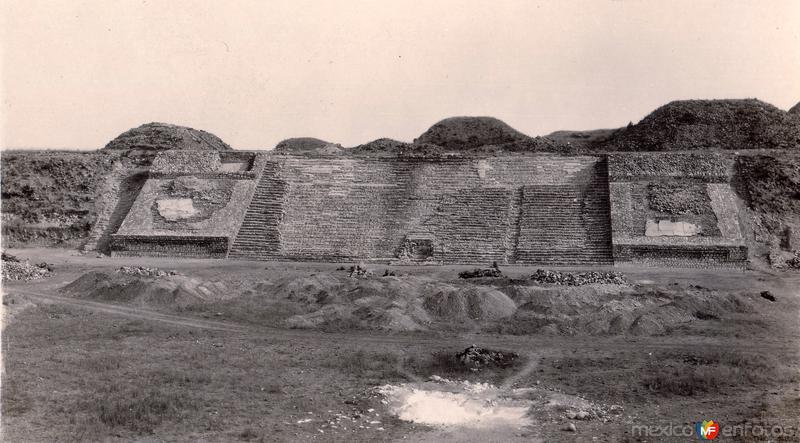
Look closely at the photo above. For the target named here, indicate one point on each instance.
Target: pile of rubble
(477, 357)
(360, 271)
(578, 279)
(144, 272)
(15, 270)
(794, 262)
(494, 271)
(784, 260)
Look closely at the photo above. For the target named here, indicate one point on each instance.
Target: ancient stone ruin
(660, 208)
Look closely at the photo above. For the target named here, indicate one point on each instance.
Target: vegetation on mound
(470, 132)
(49, 197)
(389, 147)
(581, 141)
(678, 198)
(770, 185)
(307, 145)
(710, 124)
(164, 136)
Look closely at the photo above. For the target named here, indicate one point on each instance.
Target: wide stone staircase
(566, 224)
(258, 237)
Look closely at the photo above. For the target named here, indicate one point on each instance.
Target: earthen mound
(388, 303)
(460, 133)
(145, 290)
(619, 310)
(307, 145)
(795, 109)
(469, 303)
(164, 136)
(711, 124)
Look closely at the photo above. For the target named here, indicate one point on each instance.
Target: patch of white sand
(454, 404)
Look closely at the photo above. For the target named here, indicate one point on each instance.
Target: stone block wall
(533, 209)
(675, 209)
(169, 246)
(184, 216)
(467, 210)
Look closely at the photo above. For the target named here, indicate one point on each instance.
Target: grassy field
(76, 373)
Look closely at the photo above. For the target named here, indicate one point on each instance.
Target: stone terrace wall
(206, 230)
(351, 209)
(169, 246)
(641, 186)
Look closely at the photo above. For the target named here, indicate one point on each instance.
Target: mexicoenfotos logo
(707, 430)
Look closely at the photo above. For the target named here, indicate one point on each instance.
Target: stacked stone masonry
(537, 209)
(718, 241)
(473, 211)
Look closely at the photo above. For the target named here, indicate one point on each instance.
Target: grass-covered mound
(307, 145)
(389, 147)
(48, 198)
(710, 124)
(164, 136)
(470, 132)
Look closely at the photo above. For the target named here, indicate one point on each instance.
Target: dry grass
(386, 366)
(701, 373)
(140, 411)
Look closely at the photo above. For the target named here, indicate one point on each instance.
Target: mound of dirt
(145, 290)
(795, 109)
(614, 310)
(711, 124)
(459, 133)
(307, 145)
(469, 303)
(164, 136)
(389, 303)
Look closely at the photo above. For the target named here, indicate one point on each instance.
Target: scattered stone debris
(144, 271)
(8, 257)
(15, 270)
(360, 271)
(794, 262)
(578, 279)
(768, 295)
(494, 271)
(388, 273)
(477, 357)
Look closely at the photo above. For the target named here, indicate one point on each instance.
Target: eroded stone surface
(174, 209)
(669, 228)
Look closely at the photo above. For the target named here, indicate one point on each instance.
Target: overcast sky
(75, 74)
